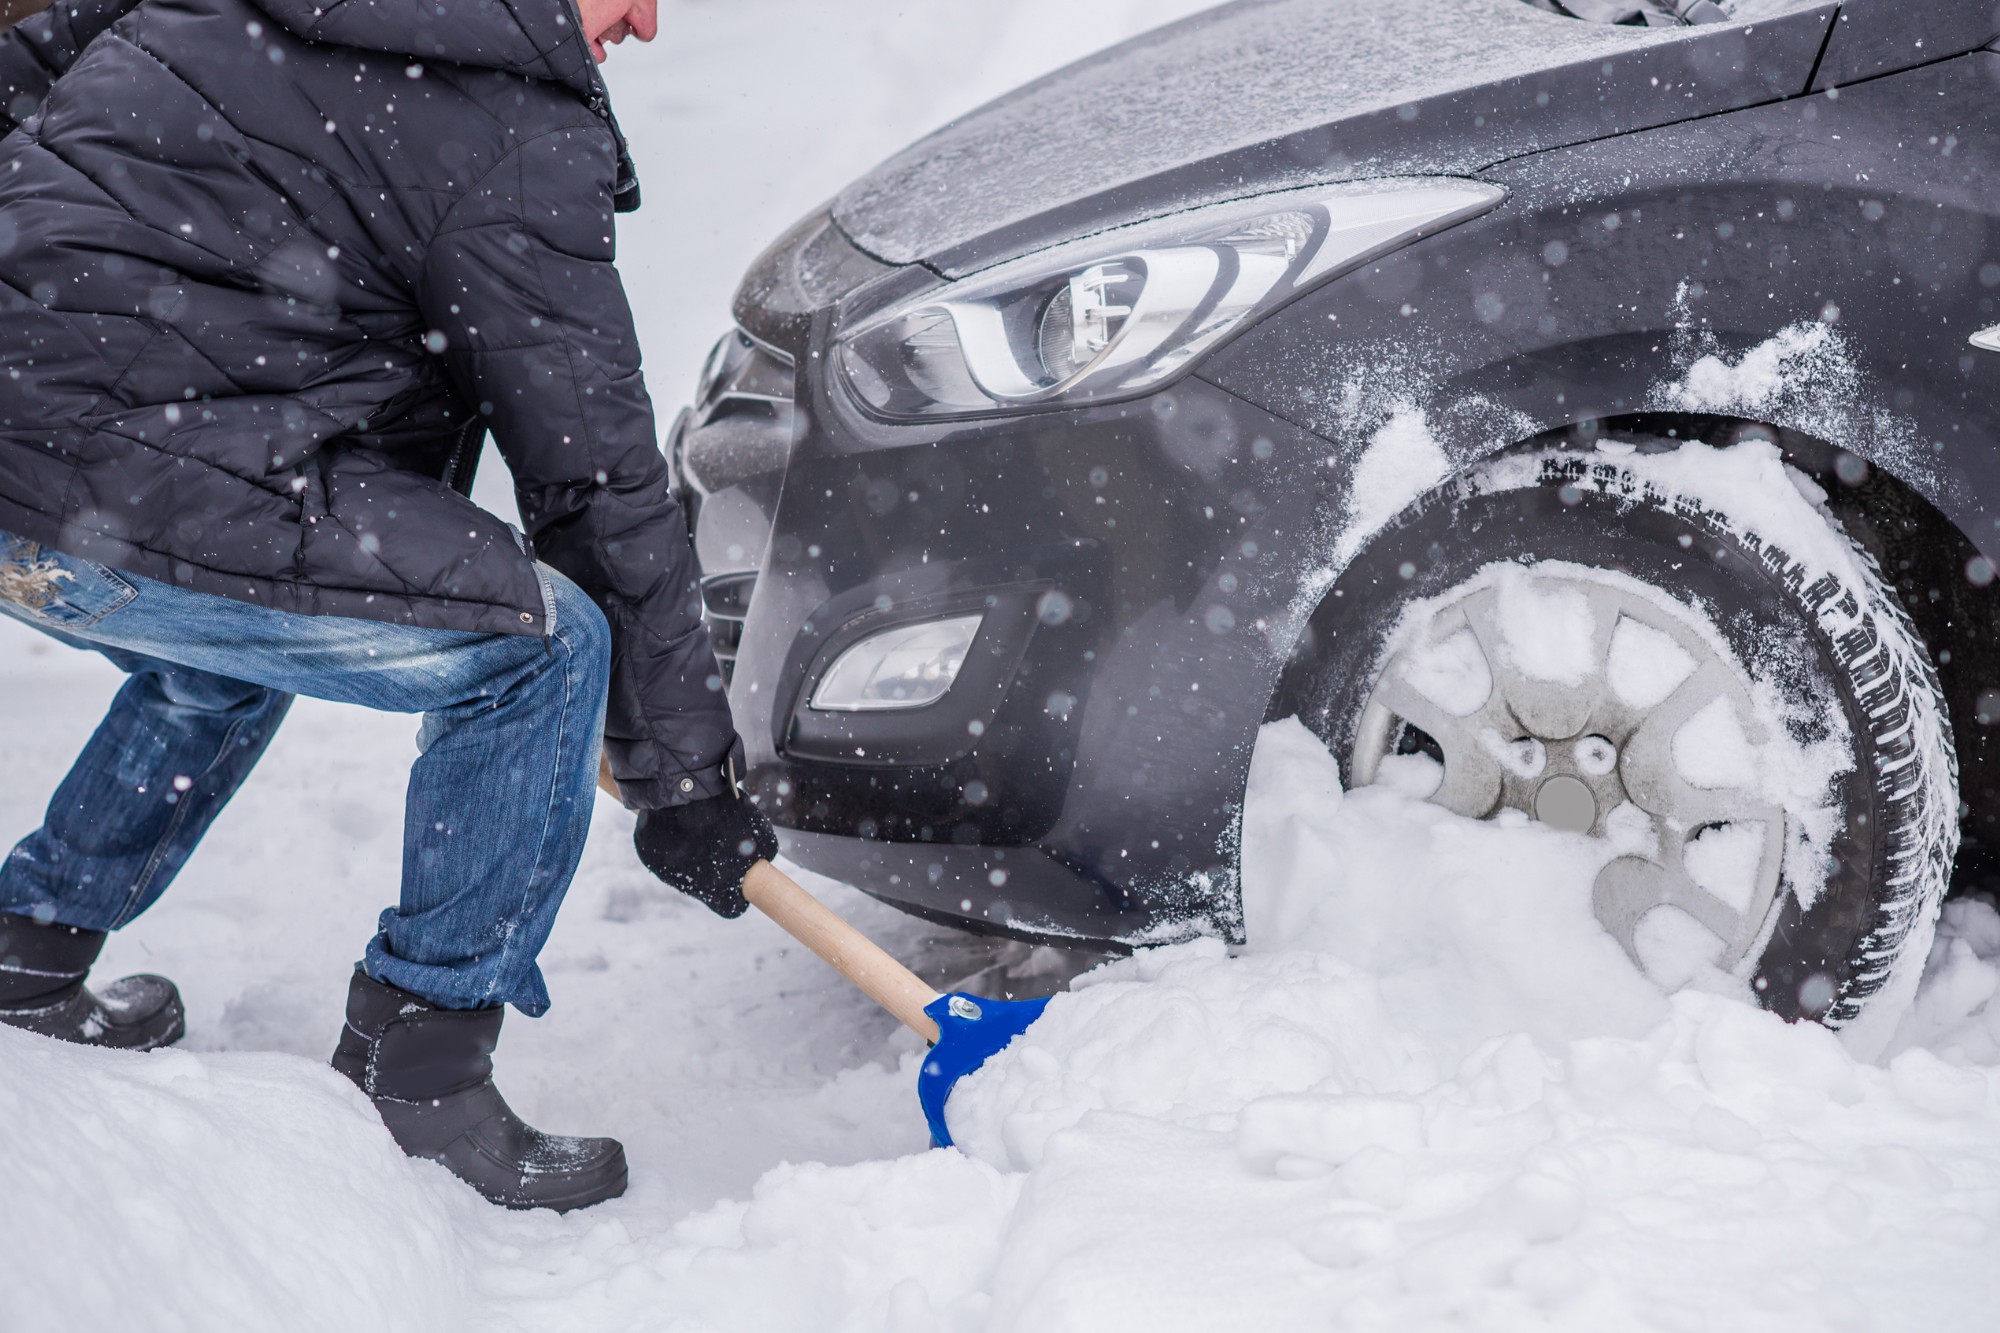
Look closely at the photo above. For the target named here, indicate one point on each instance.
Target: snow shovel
(964, 1031)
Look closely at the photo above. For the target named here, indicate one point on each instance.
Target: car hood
(1266, 94)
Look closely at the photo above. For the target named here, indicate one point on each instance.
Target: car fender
(1818, 264)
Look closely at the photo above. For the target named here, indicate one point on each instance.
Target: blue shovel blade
(971, 1030)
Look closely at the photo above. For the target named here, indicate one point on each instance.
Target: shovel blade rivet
(963, 1008)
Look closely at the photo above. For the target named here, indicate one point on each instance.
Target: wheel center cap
(1565, 802)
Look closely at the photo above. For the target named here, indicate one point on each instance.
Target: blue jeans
(499, 799)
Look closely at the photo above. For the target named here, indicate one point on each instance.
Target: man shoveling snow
(269, 274)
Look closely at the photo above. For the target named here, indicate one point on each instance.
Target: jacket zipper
(464, 460)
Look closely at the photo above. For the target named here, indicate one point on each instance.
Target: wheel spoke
(1721, 920)
(1630, 887)
(1626, 890)
(1738, 927)
(1688, 807)
(1472, 779)
(1471, 785)
(1548, 709)
(1647, 766)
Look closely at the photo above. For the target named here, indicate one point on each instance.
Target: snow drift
(1434, 1095)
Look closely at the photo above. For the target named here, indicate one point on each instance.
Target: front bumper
(1142, 569)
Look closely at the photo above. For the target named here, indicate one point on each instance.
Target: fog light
(905, 667)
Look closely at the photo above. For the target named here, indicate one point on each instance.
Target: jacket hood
(537, 39)
(1266, 94)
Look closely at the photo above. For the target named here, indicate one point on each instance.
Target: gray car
(1209, 380)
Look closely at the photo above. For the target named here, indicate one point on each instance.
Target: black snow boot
(42, 967)
(430, 1073)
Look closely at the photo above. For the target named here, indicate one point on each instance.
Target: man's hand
(705, 848)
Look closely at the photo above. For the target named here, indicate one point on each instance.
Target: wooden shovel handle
(842, 947)
(815, 925)
(605, 782)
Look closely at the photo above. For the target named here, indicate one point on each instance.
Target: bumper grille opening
(725, 601)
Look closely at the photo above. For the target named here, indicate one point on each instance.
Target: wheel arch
(1947, 585)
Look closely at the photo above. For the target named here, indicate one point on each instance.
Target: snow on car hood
(1266, 93)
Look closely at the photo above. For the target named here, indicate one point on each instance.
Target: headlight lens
(1117, 314)
(905, 667)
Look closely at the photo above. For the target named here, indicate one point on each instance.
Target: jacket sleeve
(518, 284)
(35, 52)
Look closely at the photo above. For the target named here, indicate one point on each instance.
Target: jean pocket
(57, 589)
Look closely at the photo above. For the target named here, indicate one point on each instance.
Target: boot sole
(606, 1182)
(495, 1175)
(175, 1031)
(97, 1025)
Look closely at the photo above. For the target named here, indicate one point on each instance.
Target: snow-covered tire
(1744, 544)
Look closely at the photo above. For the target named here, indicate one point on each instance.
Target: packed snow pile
(1450, 1101)
(179, 1191)
(1434, 1094)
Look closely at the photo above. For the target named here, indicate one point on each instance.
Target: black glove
(704, 848)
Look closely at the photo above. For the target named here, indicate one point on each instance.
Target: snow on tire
(1525, 573)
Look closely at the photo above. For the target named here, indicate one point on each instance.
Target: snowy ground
(1432, 1094)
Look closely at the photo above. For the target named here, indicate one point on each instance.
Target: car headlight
(1119, 313)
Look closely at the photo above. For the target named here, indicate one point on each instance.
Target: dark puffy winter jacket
(269, 273)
